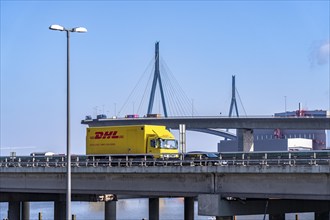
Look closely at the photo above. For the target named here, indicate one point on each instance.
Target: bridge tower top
(233, 99)
(157, 78)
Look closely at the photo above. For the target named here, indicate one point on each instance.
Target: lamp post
(68, 148)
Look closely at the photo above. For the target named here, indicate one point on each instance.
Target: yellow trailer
(136, 139)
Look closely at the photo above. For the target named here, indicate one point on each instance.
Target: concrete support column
(59, 210)
(14, 210)
(276, 216)
(182, 138)
(25, 210)
(322, 216)
(224, 218)
(154, 208)
(188, 208)
(110, 210)
(245, 140)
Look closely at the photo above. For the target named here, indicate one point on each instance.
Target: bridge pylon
(233, 98)
(157, 78)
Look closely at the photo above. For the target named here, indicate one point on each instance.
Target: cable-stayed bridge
(173, 97)
(158, 91)
(166, 94)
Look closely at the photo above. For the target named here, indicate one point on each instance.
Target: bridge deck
(286, 182)
(220, 122)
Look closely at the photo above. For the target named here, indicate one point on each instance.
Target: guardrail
(205, 116)
(312, 158)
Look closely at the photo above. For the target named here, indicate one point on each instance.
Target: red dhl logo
(106, 135)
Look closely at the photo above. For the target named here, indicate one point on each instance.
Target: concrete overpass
(301, 182)
(221, 190)
(321, 123)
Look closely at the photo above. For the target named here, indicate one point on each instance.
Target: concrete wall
(271, 145)
(268, 145)
(228, 146)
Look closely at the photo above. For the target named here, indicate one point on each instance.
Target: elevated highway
(320, 123)
(233, 184)
(262, 182)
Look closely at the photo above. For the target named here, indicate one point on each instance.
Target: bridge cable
(145, 90)
(169, 94)
(133, 92)
(178, 104)
(170, 89)
(239, 97)
(182, 98)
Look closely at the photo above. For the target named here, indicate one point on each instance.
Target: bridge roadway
(282, 183)
(319, 123)
(290, 182)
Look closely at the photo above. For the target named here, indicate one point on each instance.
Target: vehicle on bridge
(201, 155)
(42, 154)
(132, 116)
(153, 115)
(204, 157)
(137, 139)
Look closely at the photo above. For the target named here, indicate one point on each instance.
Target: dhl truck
(137, 139)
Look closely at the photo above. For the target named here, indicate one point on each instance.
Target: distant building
(284, 139)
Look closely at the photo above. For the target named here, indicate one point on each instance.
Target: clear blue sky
(276, 49)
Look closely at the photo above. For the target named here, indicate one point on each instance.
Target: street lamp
(57, 27)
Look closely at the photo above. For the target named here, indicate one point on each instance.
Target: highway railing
(312, 158)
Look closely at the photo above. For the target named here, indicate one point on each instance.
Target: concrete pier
(189, 208)
(25, 210)
(154, 208)
(224, 218)
(276, 216)
(59, 210)
(14, 211)
(19, 210)
(322, 215)
(245, 140)
(110, 210)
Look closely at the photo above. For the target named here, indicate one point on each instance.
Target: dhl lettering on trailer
(106, 135)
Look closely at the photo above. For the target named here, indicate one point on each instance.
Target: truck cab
(161, 147)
